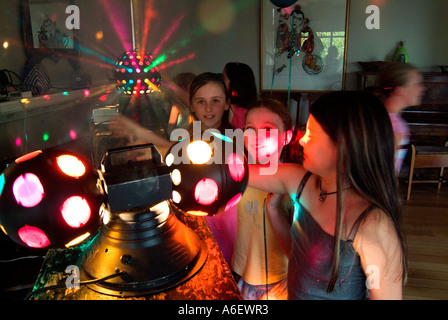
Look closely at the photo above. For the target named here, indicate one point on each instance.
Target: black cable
(7, 79)
(58, 286)
(265, 248)
(21, 258)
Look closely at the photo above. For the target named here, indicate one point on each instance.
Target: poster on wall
(48, 25)
(303, 46)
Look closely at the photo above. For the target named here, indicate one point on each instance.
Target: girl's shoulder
(376, 235)
(293, 175)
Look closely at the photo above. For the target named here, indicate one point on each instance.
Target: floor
(426, 227)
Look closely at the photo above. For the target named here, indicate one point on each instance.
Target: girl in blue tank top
(345, 240)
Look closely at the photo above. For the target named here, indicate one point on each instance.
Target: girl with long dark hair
(345, 239)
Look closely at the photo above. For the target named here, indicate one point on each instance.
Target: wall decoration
(45, 33)
(303, 46)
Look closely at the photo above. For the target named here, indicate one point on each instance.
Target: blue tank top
(310, 262)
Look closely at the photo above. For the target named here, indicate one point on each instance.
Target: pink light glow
(263, 145)
(121, 27)
(206, 191)
(233, 202)
(73, 134)
(178, 61)
(27, 190)
(169, 33)
(236, 167)
(18, 142)
(33, 237)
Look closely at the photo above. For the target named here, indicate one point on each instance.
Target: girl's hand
(273, 201)
(277, 207)
(123, 126)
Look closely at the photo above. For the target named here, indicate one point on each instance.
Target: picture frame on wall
(44, 29)
(303, 46)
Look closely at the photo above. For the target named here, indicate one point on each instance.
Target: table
(214, 281)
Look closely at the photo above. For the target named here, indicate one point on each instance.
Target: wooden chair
(427, 157)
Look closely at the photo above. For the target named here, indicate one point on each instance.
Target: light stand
(140, 235)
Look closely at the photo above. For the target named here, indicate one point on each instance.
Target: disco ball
(136, 72)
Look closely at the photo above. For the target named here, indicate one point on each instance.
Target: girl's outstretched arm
(276, 178)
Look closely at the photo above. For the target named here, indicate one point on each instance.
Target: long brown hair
(359, 124)
(242, 87)
(392, 75)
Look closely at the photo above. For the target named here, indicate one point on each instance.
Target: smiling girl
(209, 104)
(209, 101)
(258, 261)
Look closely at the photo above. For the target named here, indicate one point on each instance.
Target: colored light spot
(176, 196)
(199, 152)
(71, 166)
(176, 177)
(2, 183)
(197, 213)
(18, 142)
(221, 136)
(169, 160)
(76, 211)
(33, 237)
(236, 167)
(233, 202)
(28, 190)
(72, 134)
(45, 136)
(28, 156)
(78, 240)
(206, 191)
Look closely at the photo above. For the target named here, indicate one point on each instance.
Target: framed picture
(44, 29)
(303, 46)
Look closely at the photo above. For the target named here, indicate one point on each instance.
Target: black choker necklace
(323, 194)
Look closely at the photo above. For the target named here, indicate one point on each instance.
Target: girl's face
(265, 134)
(414, 89)
(208, 104)
(319, 151)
